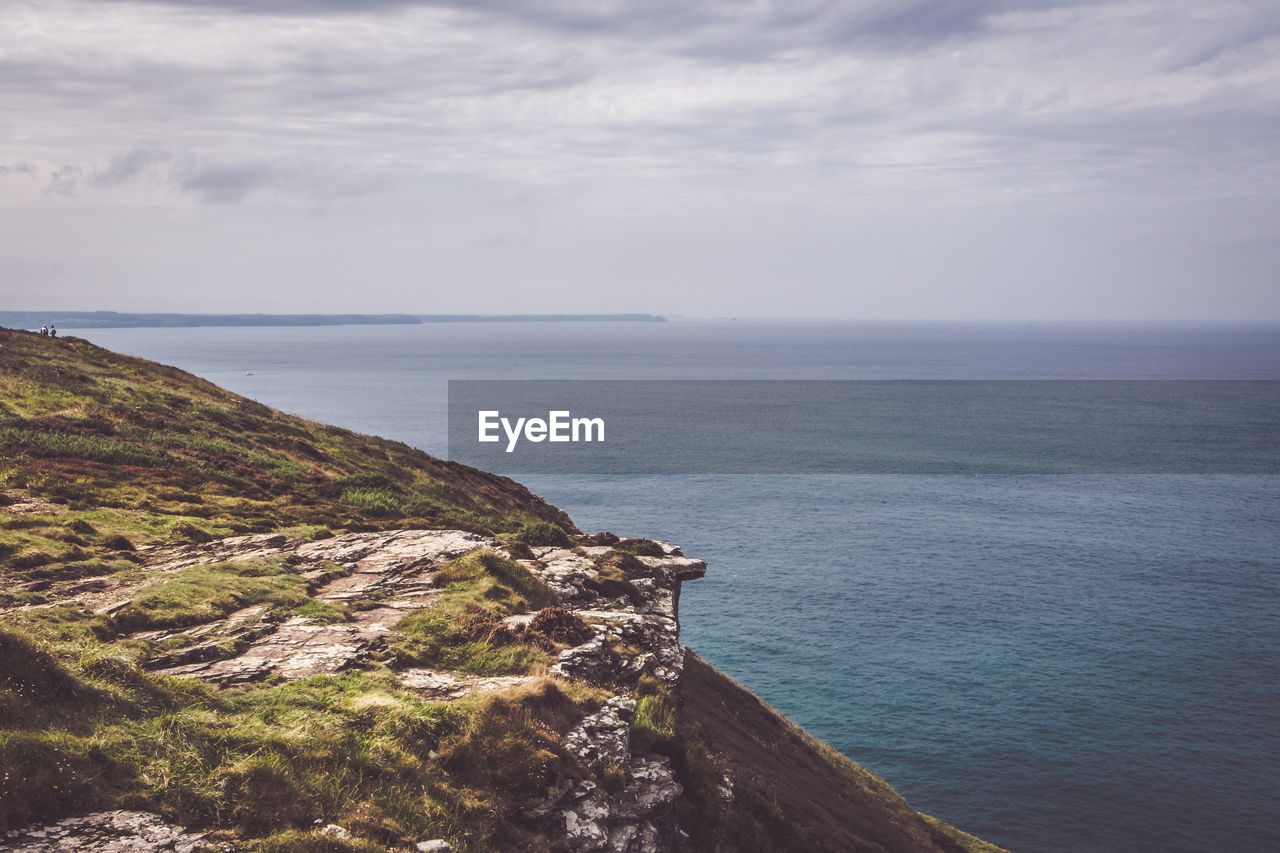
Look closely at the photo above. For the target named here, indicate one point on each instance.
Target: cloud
(725, 28)
(542, 92)
(130, 165)
(64, 181)
(228, 183)
(609, 118)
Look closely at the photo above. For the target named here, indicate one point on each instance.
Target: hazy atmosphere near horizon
(995, 159)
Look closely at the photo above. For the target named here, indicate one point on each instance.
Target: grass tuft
(655, 720)
(464, 631)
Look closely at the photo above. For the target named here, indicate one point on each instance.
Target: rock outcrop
(393, 569)
(625, 803)
(638, 814)
(645, 617)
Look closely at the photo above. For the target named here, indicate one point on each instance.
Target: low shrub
(639, 547)
(118, 542)
(180, 528)
(559, 626)
(543, 533)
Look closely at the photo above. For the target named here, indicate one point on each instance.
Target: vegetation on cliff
(118, 452)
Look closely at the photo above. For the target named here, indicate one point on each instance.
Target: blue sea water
(1053, 662)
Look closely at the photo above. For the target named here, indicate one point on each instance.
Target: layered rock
(647, 619)
(629, 603)
(393, 568)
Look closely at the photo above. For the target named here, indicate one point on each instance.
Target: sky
(869, 159)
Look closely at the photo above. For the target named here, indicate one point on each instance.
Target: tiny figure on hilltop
(53, 332)
(44, 331)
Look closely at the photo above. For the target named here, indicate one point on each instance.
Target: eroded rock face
(637, 632)
(604, 738)
(107, 832)
(639, 816)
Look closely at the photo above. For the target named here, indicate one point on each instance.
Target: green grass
(463, 629)
(265, 763)
(325, 611)
(314, 841)
(154, 453)
(655, 719)
(203, 593)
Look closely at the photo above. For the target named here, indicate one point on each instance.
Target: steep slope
(104, 452)
(228, 626)
(785, 791)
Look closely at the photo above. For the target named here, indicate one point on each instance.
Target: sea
(1053, 662)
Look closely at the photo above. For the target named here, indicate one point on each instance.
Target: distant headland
(117, 320)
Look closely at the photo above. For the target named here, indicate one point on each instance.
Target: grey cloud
(793, 118)
(230, 183)
(341, 76)
(718, 27)
(1183, 151)
(130, 165)
(65, 180)
(1254, 25)
(215, 179)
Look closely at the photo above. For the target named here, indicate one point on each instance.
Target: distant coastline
(118, 320)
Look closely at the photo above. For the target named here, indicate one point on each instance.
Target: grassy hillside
(105, 452)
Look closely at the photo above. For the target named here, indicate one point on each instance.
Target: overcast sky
(922, 159)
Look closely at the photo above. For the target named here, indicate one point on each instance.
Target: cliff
(222, 627)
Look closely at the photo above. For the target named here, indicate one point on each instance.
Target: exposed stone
(434, 684)
(638, 819)
(20, 504)
(650, 625)
(590, 662)
(108, 832)
(436, 845)
(392, 567)
(299, 649)
(604, 737)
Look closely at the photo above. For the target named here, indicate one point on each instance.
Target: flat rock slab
(107, 832)
(437, 685)
(380, 551)
(393, 568)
